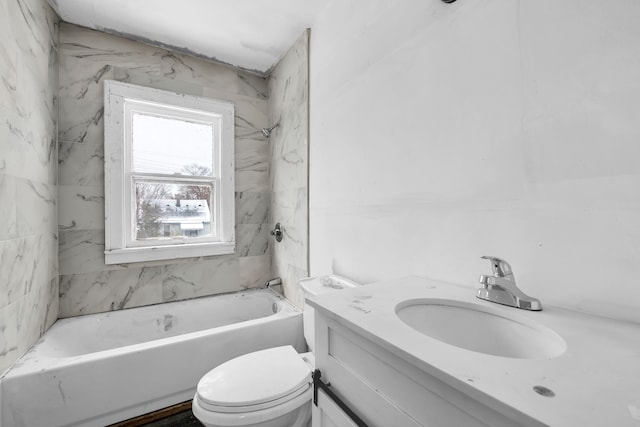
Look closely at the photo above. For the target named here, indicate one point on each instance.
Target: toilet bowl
(267, 388)
(264, 388)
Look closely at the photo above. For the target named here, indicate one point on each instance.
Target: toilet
(266, 388)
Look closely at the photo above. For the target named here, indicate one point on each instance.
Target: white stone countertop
(596, 381)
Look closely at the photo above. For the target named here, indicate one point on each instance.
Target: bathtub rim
(32, 359)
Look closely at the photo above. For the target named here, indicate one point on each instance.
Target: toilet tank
(315, 286)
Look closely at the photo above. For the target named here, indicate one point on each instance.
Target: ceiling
(251, 34)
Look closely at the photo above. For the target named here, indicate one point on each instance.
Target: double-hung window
(169, 175)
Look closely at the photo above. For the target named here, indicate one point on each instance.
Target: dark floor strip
(179, 415)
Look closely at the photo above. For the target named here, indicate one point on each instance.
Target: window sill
(157, 253)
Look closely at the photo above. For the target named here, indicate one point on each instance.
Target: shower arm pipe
(267, 131)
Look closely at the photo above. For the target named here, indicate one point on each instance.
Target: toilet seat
(255, 381)
(252, 408)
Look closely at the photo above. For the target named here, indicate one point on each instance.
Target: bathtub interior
(90, 385)
(104, 331)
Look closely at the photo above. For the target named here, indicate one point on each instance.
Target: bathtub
(99, 369)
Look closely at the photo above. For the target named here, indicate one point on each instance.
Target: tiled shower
(52, 175)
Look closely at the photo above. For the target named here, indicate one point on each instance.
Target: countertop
(596, 381)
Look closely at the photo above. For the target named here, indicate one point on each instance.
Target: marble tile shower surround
(288, 144)
(87, 285)
(28, 181)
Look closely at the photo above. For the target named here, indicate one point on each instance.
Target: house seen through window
(166, 146)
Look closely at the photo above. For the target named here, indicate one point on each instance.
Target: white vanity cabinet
(390, 374)
(384, 389)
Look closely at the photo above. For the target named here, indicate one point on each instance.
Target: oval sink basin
(478, 328)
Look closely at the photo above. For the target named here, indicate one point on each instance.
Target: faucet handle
(501, 268)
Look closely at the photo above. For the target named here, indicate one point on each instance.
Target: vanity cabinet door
(369, 402)
(329, 414)
(387, 391)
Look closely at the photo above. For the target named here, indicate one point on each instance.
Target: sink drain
(543, 391)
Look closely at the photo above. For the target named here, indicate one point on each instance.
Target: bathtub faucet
(276, 281)
(501, 287)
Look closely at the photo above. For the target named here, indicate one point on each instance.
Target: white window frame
(120, 101)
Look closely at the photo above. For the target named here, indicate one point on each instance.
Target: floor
(174, 416)
(186, 419)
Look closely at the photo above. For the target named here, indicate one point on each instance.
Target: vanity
(420, 352)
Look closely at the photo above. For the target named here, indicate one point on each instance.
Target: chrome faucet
(501, 287)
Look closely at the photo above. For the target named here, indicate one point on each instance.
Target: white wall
(440, 133)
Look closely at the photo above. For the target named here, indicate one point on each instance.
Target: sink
(481, 329)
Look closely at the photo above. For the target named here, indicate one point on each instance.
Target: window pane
(171, 146)
(166, 210)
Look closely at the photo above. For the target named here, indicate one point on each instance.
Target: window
(169, 184)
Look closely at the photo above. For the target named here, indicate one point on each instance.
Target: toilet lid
(255, 379)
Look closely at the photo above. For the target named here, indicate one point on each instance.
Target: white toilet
(267, 388)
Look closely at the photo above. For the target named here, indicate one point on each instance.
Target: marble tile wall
(28, 164)
(87, 285)
(289, 106)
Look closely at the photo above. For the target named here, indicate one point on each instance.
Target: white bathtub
(98, 369)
